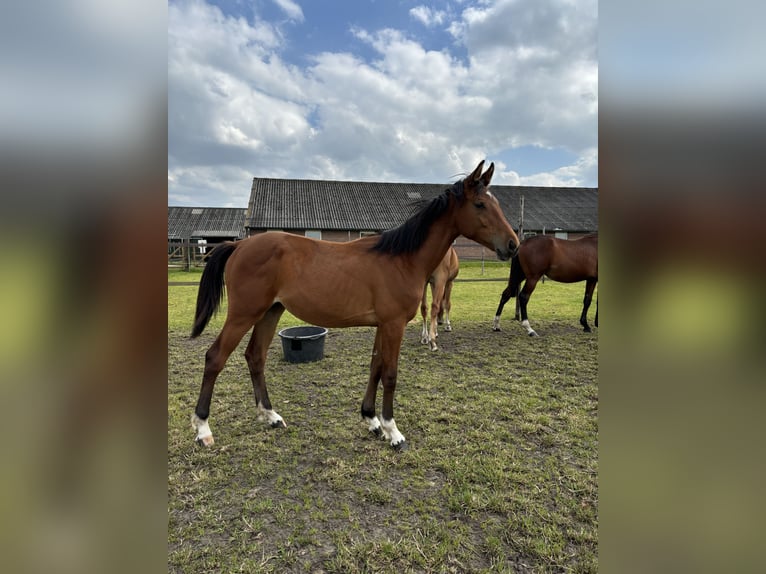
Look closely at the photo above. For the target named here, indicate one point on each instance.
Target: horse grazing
(441, 291)
(372, 281)
(563, 260)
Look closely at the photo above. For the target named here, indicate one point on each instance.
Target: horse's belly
(330, 311)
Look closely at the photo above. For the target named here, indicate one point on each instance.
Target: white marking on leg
(424, 334)
(271, 416)
(496, 323)
(373, 424)
(530, 330)
(391, 432)
(447, 324)
(204, 434)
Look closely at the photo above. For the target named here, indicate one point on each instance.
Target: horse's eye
(479, 205)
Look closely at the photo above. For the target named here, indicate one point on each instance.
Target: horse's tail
(517, 276)
(210, 291)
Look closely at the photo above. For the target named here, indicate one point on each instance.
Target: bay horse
(563, 260)
(441, 298)
(372, 281)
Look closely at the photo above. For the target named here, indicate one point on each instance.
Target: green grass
(501, 475)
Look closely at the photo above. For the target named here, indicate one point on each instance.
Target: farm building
(346, 210)
(199, 228)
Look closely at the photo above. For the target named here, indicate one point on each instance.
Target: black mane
(410, 235)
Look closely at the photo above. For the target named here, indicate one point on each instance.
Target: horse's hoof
(378, 432)
(588, 330)
(401, 446)
(434, 348)
(496, 329)
(280, 424)
(448, 329)
(533, 334)
(204, 441)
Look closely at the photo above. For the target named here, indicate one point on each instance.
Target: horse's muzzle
(508, 252)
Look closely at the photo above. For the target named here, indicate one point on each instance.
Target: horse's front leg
(368, 404)
(390, 343)
(596, 320)
(523, 298)
(504, 297)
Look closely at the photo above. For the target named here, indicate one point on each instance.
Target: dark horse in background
(441, 298)
(372, 281)
(563, 260)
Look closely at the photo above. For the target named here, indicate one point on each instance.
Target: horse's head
(480, 217)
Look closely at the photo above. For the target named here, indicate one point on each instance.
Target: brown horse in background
(441, 291)
(372, 281)
(563, 260)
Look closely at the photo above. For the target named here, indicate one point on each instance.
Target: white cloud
(428, 16)
(237, 110)
(584, 169)
(292, 9)
(538, 58)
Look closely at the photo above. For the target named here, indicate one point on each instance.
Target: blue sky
(379, 90)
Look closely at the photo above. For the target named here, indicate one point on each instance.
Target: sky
(379, 90)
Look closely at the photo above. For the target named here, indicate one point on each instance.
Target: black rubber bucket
(303, 344)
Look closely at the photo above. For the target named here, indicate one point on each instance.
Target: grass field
(501, 475)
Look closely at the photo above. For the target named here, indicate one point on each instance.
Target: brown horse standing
(441, 292)
(373, 281)
(567, 261)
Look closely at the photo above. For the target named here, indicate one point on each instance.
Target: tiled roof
(373, 206)
(567, 208)
(185, 222)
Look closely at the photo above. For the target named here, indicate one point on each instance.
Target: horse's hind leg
(590, 285)
(436, 302)
(215, 358)
(447, 305)
(256, 353)
(526, 293)
(507, 294)
(423, 311)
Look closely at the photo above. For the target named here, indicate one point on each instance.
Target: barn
(192, 230)
(347, 210)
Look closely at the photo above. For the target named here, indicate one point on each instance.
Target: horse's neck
(438, 241)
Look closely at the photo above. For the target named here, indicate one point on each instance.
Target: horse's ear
(487, 177)
(476, 173)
